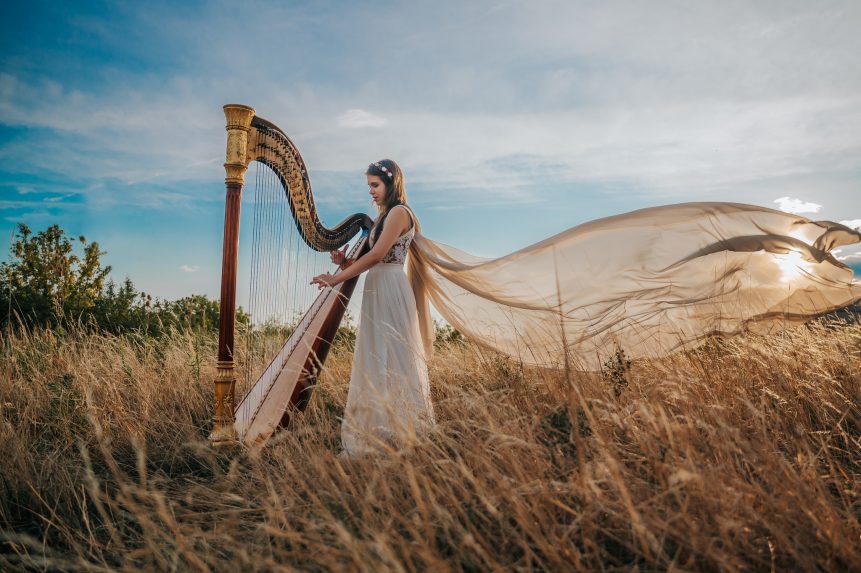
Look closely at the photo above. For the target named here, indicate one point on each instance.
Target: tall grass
(743, 455)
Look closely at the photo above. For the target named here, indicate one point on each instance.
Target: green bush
(47, 284)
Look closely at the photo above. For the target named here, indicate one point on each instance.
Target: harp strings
(279, 293)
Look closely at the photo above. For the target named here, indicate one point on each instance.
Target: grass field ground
(744, 455)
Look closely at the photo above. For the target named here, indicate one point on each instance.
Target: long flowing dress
(388, 401)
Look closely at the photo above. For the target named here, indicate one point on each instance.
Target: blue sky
(512, 120)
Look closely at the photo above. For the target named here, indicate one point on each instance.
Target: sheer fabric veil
(650, 282)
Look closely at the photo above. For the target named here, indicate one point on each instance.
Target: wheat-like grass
(742, 455)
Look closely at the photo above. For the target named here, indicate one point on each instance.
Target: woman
(389, 398)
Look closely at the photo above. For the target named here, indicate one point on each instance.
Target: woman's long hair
(395, 193)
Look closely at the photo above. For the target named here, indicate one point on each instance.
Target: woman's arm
(396, 223)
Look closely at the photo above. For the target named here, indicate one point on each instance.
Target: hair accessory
(382, 167)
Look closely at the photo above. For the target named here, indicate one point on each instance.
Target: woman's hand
(338, 257)
(325, 280)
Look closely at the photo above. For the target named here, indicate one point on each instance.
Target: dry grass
(745, 455)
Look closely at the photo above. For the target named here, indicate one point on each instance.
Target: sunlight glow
(792, 264)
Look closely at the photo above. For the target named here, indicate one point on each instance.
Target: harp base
(223, 436)
(223, 430)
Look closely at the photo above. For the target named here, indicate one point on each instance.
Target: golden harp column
(238, 129)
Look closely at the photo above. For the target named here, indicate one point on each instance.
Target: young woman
(388, 401)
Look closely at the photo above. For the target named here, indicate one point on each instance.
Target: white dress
(388, 401)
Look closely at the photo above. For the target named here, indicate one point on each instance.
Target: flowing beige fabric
(650, 282)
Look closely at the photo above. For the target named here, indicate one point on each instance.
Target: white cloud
(645, 97)
(357, 118)
(850, 257)
(796, 206)
(852, 224)
(189, 268)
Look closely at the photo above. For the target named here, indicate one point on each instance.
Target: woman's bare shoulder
(403, 214)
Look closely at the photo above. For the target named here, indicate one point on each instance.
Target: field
(744, 455)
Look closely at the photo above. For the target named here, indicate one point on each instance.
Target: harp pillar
(238, 126)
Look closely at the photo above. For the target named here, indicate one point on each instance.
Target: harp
(286, 233)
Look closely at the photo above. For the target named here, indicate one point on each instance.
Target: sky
(512, 120)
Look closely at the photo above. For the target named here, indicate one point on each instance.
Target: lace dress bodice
(398, 252)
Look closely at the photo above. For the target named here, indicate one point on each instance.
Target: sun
(792, 265)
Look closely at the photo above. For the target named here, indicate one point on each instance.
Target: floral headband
(382, 167)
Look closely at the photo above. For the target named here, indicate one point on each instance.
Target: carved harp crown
(284, 384)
